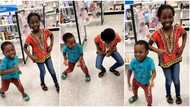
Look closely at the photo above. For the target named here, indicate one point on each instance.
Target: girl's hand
(180, 51)
(65, 62)
(34, 58)
(49, 49)
(161, 52)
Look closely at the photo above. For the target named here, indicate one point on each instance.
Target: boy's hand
(129, 87)
(151, 84)
(65, 62)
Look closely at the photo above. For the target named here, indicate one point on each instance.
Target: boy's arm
(7, 71)
(65, 59)
(129, 73)
(152, 78)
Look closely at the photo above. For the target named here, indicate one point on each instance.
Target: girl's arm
(158, 51)
(99, 51)
(184, 38)
(28, 53)
(51, 42)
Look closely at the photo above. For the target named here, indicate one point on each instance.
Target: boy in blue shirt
(73, 53)
(144, 72)
(9, 70)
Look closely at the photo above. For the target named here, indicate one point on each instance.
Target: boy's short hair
(5, 44)
(108, 35)
(67, 36)
(143, 42)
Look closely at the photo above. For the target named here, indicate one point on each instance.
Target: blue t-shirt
(73, 54)
(8, 63)
(142, 70)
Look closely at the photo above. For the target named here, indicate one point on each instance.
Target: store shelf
(8, 25)
(65, 7)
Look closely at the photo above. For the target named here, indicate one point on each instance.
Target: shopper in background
(106, 44)
(169, 51)
(38, 40)
(73, 54)
(10, 71)
(144, 72)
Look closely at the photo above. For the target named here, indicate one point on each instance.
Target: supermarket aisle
(31, 82)
(100, 91)
(158, 90)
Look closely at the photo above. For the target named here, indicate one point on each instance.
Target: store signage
(7, 8)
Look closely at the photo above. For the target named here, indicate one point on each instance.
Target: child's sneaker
(26, 97)
(87, 78)
(2, 94)
(64, 76)
(178, 100)
(169, 99)
(133, 99)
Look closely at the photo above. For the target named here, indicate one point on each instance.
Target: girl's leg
(19, 86)
(99, 61)
(168, 80)
(175, 78)
(119, 60)
(42, 72)
(51, 70)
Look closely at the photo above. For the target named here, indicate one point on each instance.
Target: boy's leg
(135, 87)
(99, 61)
(4, 87)
(168, 82)
(176, 80)
(119, 62)
(42, 75)
(148, 94)
(85, 70)
(68, 70)
(19, 86)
